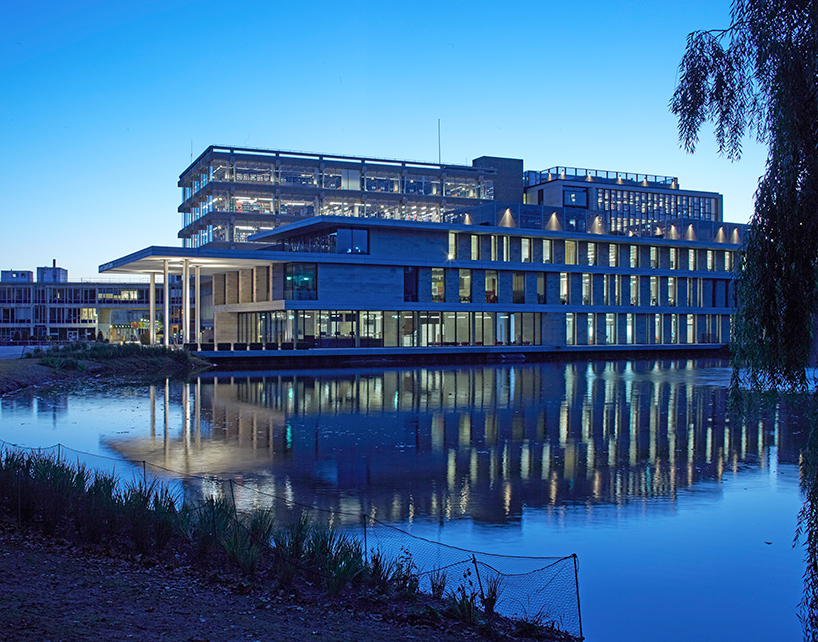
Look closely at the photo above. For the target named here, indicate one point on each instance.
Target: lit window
(570, 252)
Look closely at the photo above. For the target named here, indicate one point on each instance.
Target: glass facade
(628, 209)
(304, 329)
(250, 185)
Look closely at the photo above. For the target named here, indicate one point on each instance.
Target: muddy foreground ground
(52, 591)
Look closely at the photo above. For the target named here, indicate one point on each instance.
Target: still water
(682, 517)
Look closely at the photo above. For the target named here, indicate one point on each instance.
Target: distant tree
(760, 77)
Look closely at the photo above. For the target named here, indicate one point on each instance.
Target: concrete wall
(430, 246)
(342, 286)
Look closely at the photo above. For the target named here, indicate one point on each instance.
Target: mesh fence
(541, 590)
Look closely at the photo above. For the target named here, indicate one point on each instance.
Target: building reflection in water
(478, 442)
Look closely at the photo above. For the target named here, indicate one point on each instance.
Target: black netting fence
(539, 590)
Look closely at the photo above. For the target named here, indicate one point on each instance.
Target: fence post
(144, 473)
(479, 581)
(576, 584)
(58, 451)
(363, 523)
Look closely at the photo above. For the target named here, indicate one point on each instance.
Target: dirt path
(51, 592)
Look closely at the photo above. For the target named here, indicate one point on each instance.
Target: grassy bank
(62, 363)
(120, 358)
(299, 558)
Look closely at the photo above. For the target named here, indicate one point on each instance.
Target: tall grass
(143, 516)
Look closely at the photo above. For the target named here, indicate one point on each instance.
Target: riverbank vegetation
(76, 360)
(297, 557)
(114, 357)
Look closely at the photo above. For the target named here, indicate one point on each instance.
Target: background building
(53, 308)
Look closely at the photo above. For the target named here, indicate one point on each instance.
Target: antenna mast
(439, 161)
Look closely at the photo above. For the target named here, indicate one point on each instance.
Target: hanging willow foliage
(759, 77)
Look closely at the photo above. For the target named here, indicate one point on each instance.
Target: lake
(682, 516)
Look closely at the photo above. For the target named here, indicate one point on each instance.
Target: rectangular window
(518, 295)
(634, 290)
(674, 258)
(438, 285)
(654, 290)
(349, 241)
(410, 284)
(606, 289)
(728, 261)
(452, 246)
(591, 329)
(565, 288)
(634, 256)
(574, 197)
(547, 251)
(711, 262)
(610, 329)
(493, 248)
(465, 286)
(654, 257)
(525, 250)
(629, 330)
(586, 289)
(691, 259)
(506, 251)
(671, 291)
(613, 255)
(406, 331)
(570, 252)
(617, 290)
(570, 332)
(491, 286)
(301, 281)
(475, 247)
(691, 328)
(592, 254)
(541, 288)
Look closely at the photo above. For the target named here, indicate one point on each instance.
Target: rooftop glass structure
(230, 193)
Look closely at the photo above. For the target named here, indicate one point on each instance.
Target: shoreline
(27, 372)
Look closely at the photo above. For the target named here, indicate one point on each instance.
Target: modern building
(384, 257)
(56, 309)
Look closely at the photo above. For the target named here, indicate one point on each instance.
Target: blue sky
(100, 102)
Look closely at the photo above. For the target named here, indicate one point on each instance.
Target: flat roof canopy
(150, 260)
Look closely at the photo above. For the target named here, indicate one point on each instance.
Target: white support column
(152, 314)
(197, 336)
(166, 318)
(185, 302)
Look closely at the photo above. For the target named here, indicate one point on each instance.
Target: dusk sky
(101, 103)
